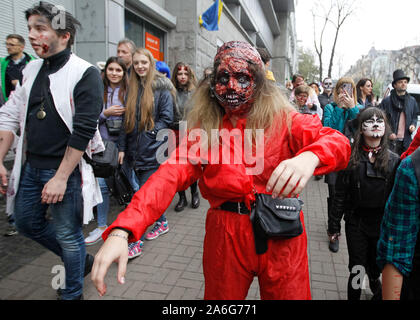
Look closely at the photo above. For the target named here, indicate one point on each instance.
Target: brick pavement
(171, 266)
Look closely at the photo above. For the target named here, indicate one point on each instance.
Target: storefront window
(145, 34)
(134, 29)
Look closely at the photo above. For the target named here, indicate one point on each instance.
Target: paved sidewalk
(170, 267)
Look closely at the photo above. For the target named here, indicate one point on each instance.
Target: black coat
(141, 147)
(363, 187)
(393, 115)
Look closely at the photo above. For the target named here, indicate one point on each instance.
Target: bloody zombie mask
(374, 127)
(235, 84)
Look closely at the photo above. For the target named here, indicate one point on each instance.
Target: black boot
(332, 225)
(334, 244)
(195, 196)
(182, 202)
(89, 260)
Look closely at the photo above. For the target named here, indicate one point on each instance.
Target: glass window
(134, 29)
(145, 34)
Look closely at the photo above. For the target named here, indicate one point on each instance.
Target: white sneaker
(94, 237)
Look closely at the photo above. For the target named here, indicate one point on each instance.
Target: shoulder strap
(415, 157)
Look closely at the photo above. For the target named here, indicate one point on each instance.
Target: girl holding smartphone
(344, 108)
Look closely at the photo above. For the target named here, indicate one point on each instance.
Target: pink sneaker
(158, 230)
(135, 249)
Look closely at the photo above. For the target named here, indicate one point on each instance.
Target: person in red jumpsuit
(264, 145)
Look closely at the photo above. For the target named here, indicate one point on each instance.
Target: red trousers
(230, 262)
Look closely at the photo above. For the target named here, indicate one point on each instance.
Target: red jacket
(229, 182)
(413, 146)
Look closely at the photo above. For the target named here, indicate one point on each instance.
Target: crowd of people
(337, 131)
(380, 133)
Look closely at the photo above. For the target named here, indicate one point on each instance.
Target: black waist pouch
(275, 219)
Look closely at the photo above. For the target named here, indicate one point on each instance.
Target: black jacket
(141, 147)
(366, 104)
(393, 115)
(324, 99)
(363, 188)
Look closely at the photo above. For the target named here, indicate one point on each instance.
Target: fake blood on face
(234, 87)
(45, 48)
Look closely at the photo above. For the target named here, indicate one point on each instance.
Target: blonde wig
(269, 104)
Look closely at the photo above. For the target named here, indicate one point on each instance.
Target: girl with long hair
(336, 115)
(361, 193)
(149, 109)
(184, 80)
(279, 152)
(110, 123)
(364, 90)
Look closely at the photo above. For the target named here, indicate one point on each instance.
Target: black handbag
(120, 187)
(114, 126)
(275, 218)
(104, 163)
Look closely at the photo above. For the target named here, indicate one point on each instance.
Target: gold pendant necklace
(41, 115)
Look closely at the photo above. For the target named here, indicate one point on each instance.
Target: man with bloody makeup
(280, 152)
(57, 109)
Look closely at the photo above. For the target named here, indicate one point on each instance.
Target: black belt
(237, 207)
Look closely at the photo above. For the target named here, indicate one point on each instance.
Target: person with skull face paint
(238, 100)
(326, 97)
(361, 192)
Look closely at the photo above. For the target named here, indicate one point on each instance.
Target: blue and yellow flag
(210, 19)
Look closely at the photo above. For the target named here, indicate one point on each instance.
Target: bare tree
(410, 62)
(343, 10)
(318, 42)
(336, 14)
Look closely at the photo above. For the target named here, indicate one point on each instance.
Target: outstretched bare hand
(115, 249)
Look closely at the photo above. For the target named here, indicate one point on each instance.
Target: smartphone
(348, 88)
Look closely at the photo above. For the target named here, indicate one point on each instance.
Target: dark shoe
(59, 296)
(195, 200)
(10, 232)
(334, 243)
(182, 202)
(88, 264)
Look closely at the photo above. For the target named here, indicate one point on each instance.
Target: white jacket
(13, 116)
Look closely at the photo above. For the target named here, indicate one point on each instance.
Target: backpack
(120, 187)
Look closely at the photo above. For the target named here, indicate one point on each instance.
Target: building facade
(379, 65)
(170, 29)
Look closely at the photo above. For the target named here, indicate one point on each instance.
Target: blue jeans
(63, 235)
(103, 208)
(142, 177)
(131, 176)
